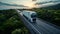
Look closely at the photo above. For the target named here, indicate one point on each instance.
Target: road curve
(41, 26)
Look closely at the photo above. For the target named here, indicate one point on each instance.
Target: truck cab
(33, 16)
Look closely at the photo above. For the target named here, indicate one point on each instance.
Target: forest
(50, 15)
(11, 24)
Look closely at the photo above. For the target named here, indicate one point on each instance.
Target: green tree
(17, 31)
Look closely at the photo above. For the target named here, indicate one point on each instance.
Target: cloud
(30, 2)
(47, 4)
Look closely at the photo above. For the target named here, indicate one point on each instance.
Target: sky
(29, 3)
(23, 1)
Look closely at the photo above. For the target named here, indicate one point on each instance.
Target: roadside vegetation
(11, 24)
(51, 15)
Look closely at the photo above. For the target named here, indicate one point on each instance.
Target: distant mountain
(1, 3)
(57, 6)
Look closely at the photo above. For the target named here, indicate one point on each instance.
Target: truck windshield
(33, 15)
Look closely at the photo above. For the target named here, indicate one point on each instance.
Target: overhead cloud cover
(31, 3)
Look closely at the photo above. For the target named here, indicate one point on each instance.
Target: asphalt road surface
(41, 27)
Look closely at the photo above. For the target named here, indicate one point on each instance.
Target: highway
(40, 27)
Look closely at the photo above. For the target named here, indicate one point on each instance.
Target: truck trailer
(30, 15)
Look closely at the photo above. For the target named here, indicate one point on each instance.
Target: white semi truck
(29, 15)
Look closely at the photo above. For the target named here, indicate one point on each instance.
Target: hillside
(56, 7)
(50, 14)
(11, 24)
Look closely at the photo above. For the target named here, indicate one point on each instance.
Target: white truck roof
(29, 11)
